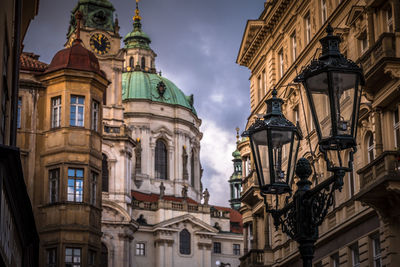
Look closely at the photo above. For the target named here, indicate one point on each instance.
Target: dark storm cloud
(197, 44)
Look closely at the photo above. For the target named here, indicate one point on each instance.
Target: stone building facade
(361, 227)
(19, 240)
(154, 209)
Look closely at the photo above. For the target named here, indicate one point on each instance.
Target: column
(246, 237)
(390, 241)
(371, 28)
(254, 244)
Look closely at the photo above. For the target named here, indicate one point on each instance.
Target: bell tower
(235, 181)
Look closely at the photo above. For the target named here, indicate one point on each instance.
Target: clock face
(99, 43)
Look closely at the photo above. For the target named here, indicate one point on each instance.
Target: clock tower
(100, 34)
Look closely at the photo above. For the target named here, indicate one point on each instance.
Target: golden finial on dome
(137, 17)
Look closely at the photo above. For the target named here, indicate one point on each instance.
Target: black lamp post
(332, 83)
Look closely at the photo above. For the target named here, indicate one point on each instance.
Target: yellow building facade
(360, 229)
(60, 138)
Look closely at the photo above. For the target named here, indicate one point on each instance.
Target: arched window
(161, 160)
(131, 63)
(143, 63)
(192, 168)
(370, 147)
(184, 242)
(104, 174)
(104, 256)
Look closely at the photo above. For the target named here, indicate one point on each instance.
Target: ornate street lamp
(274, 141)
(332, 83)
(333, 88)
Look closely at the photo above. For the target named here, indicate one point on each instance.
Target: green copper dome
(153, 87)
(137, 39)
(236, 154)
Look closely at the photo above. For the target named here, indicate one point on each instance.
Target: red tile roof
(30, 61)
(235, 217)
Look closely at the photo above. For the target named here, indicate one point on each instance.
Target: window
(370, 147)
(294, 46)
(55, 111)
(51, 257)
(310, 120)
(396, 126)
(307, 23)
(161, 160)
(355, 255)
(260, 90)
(4, 98)
(335, 260)
(389, 18)
(104, 256)
(19, 112)
(91, 258)
(54, 178)
(264, 81)
(140, 249)
(95, 115)
(236, 249)
(75, 185)
(143, 63)
(217, 247)
(363, 42)
(77, 111)
(131, 63)
(280, 58)
(93, 189)
(323, 11)
(104, 174)
(184, 242)
(72, 257)
(192, 168)
(352, 182)
(376, 249)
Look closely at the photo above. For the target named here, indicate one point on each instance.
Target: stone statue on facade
(162, 190)
(206, 196)
(184, 191)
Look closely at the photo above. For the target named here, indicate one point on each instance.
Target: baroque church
(111, 154)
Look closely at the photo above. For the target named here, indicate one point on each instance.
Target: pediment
(250, 32)
(112, 213)
(201, 226)
(354, 13)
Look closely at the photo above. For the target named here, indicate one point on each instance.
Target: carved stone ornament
(161, 88)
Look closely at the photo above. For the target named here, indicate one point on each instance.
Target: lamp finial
(137, 17)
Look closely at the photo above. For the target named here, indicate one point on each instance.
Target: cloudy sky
(197, 42)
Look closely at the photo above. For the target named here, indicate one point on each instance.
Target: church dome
(75, 57)
(153, 87)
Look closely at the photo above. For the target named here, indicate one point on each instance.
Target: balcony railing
(255, 257)
(248, 181)
(385, 165)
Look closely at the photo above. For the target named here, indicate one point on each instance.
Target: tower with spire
(235, 180)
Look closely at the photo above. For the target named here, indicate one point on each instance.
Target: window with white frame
(324, 14)
(294, 46)
(307, 22)
(73, 257)
(77, 111)
(95, 115)
(55, 111)
(376, 251)
(75, 185)
(363, 42)
(54, 178)
(51, 257)
(93, 188)
(19, 112)
(371, 147)
(389, 18)
(236, 249)
(140, 249)
(281, 62)
(396, 126)
(355, 255)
